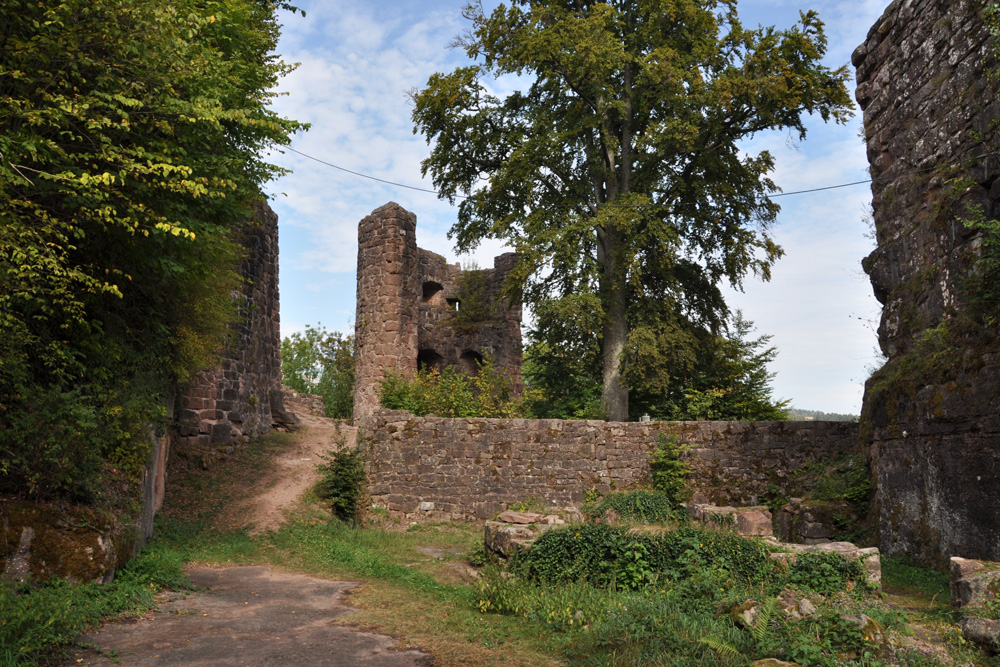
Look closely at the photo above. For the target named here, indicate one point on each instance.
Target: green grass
(38, 622)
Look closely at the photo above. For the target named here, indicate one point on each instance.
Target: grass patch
(39, 621)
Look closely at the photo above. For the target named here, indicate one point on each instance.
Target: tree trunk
(614, 394)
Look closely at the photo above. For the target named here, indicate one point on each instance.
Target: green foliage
(130, 143)
(474, 304)
(609, 556)
(624, 158)
(639, 507)
(667, 472)
(674, 370)
(826, 573)
(451, 393)
(319, 362)
(38, 622)
(342, 483)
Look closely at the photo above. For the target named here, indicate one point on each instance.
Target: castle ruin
(414, 310)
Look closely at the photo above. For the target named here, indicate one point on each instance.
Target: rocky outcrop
(933, 411)
(43, 541)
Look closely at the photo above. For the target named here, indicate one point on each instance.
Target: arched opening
(432, 293)
(470, 362)
(428, 360)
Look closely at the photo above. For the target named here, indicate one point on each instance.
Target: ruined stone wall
(932, 411)
(456, 469)
(226, 406)
(416, 310)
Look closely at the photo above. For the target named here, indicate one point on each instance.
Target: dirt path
(250, 616)
(295, 471)
(255, 616)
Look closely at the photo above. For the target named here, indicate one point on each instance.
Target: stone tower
(416, 310)
(385, 326)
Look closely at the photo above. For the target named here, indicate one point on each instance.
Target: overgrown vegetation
(639, 506)
(668, 473)
(316, 361)
(37, 621)
(450, 393)
(343, 483)
(130, 142)
(584, 595)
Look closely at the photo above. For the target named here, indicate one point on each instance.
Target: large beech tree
(618, 172)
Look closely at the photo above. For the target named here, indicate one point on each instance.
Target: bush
(639, 506)
(607, 556)
(451, 393)
(342, 483)
(826, 573)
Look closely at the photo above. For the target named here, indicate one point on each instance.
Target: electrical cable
(435, 192)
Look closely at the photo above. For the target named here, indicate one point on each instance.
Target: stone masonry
(933, 411)
(233, 403)
(457, 469)
(416, 310)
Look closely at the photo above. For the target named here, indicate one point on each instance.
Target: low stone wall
(458, 469)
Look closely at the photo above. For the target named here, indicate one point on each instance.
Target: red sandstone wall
(228, 405)
(475, 468)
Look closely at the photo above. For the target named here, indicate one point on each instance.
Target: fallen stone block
(504, 539)
(973, 582)
(982, 631)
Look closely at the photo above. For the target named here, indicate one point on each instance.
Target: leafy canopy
(316, 361)
(618, 173)
(130, 142)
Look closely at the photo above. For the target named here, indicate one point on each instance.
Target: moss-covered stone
(46, 540)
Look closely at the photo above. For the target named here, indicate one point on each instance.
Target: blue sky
(359, 59)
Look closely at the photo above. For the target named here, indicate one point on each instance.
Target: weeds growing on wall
(667, 472)
(451, 393)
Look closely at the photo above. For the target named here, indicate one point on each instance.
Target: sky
(357, 62)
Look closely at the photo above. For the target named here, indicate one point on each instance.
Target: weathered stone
(408, 310)
(238, 394)
(870, 556)
(43, 541)
(973, 583)
(982, 631)
(520, 517)
(754, 524)
(773, 662)
(931, 411)
(504, 539)
(494, 463)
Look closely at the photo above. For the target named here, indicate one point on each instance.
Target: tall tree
(131, 135)
(620, 170)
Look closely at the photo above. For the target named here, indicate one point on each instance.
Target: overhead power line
(435, 192)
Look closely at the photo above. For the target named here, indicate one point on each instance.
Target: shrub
(826, 573)
(342, 483)
(608, 556)
(451, 393)
(639, 506)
